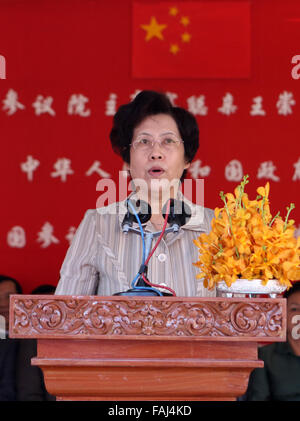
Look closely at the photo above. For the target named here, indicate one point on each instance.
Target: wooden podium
(147, 348)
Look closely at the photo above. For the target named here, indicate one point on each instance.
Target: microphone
(143, 210)
(179, 214)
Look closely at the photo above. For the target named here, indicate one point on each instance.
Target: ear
(187, 165)
(126, 167)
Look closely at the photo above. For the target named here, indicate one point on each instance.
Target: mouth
(156, 172)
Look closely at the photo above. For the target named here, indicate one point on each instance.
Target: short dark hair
(4, 278)
(145, 104)
(292, 290)
(43, 289)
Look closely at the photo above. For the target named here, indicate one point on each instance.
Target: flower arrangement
(247, 242)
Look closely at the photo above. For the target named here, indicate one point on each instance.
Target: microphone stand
(148, 236)
(178, 216)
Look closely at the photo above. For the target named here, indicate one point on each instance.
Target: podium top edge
(44, 297)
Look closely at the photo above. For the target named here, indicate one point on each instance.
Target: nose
(156, 152)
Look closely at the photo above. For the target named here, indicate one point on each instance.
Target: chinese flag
(191, 39)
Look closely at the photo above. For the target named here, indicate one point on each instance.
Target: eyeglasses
(146, 143)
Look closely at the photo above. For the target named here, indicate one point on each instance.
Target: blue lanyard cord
(141, 229)
(144, 252)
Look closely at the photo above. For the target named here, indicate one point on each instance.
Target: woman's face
(157, 162)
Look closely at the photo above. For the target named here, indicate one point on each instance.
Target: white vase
(251, 287)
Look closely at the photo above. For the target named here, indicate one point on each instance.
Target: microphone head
(179, 213)
(143, 210)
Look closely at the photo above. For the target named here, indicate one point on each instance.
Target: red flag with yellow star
(191, 40)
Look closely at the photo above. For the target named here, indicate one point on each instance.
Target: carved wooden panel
(140, 317)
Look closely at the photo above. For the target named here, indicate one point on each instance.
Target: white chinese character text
(11, 104)
(76, 105)
(29, 166)
(16, 237)
(285, 102)
(266, 170)
(296, 175)
(43, 105)
(234, 170)
(63, 168)
(96, 168)
(111, 105)
(45, 235)
(196, 105)
(227, 107)
(197, 171)
(256, 107)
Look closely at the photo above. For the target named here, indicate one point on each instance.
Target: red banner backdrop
(70, 64)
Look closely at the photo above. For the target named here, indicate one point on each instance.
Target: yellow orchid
(247, 242)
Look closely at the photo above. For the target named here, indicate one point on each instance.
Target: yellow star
(185, 20)
(186, 37)
(173, 11)
(154, 29)
(174, 49)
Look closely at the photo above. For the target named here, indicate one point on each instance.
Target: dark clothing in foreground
(30, 379)
(279, 380)
(8, 354)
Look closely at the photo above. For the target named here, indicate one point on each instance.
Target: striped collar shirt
(103, 260)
